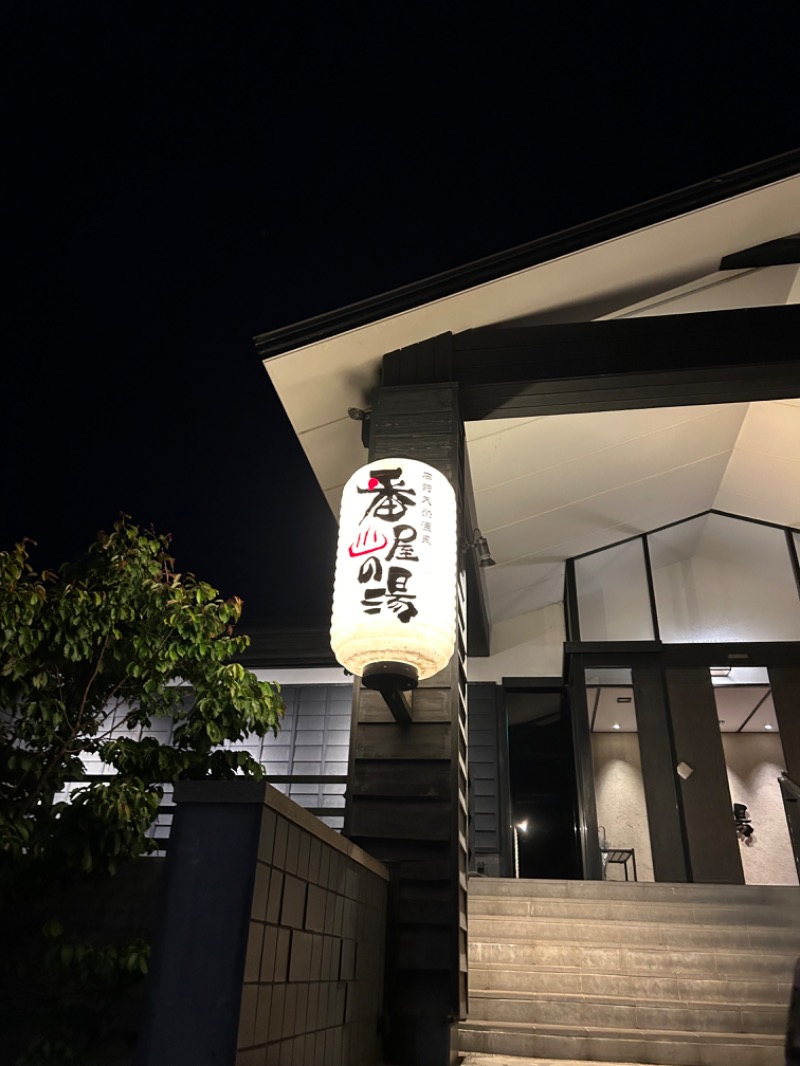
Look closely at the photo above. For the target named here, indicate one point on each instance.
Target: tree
(89, 654)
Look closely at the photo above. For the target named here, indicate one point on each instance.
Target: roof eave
(311, 330)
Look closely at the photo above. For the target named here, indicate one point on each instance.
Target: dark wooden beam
(429, 361)
(632, 391)
(281, 647)
(657, 361)
(783, 252)
(479, 629)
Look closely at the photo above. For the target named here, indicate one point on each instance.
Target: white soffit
(725, 290)
(554, 487)
(319, 382)
(550, 488)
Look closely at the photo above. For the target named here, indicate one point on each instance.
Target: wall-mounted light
(365, 418)
(518, 827)
(394, 596)
(481, 547)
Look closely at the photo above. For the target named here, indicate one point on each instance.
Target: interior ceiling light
(624, 699)
(616, 725)
(768, 726)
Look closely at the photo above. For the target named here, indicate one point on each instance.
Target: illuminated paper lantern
(394, 594)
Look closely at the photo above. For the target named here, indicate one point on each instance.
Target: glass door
(623, 826)
(755, 762)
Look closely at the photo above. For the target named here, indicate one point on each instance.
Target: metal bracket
(394, 681)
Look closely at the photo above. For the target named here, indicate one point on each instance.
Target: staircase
(601, 971)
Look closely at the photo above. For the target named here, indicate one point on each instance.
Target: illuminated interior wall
(754, 762)
(530, 645)
(619, 793)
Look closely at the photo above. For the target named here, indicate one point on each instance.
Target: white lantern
(394, 594)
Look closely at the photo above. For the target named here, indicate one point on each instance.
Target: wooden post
(407, 790)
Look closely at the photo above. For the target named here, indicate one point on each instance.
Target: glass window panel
(723, 579)
(754, 758)
(624, 831)
(613, 601)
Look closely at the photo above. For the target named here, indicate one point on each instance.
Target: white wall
(319, 675)
(715, 600)
(619, 792)
(530, 645)
(754, 762)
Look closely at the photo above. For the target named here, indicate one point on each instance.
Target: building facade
(617, 410)
(628, 397)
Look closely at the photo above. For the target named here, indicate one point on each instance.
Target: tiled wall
(313, 740)
(313, 975)
(271, 944)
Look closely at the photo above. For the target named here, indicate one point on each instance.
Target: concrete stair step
(627, 987)
(645, 1015)
(711, 915)
(476, 1058)
(668, 975)
(607, 1044)
(644, 891)
(652, 961)
(614, 910)
(636, 933)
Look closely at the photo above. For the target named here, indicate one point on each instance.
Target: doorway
(542, 784)
(667, 739)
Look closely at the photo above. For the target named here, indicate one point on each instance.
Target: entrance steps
(630, 972)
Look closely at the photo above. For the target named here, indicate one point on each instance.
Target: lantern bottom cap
(390, 675)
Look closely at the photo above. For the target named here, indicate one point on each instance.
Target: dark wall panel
(710, 833)
(487, 823)
(659, 777)
(785, 682)
(406, 798)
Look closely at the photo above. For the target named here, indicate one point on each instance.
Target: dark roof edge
(704, 193)
(276, 646)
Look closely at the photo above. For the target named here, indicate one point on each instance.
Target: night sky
(181, 180)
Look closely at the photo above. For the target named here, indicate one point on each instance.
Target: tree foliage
(88, 655)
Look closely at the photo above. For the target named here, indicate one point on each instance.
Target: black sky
(178, 181)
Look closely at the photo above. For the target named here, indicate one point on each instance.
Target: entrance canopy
(551, 485)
